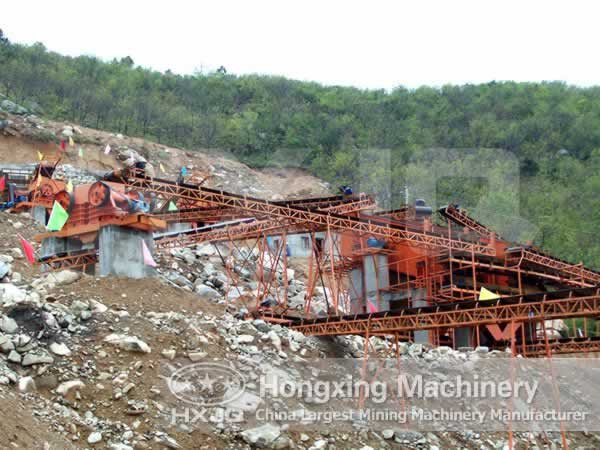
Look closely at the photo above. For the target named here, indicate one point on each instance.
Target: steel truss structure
(459, 217)
(450, 270)
(510, 309)
(81, 260)
(251, 228)
(572, 271)
(582, 345)
(436, 272)
(325, 220)
(336, 204)
(558, 276)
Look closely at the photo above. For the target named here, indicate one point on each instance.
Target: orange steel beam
(362, 200)
(139, 220)
(562, 346)
(463, 264)
(311, 202)
(219, 214)
(358, 204)
(251, 230)
(406, 212)
(199, 215)
(461, 218)
(575, 270)
(46, 203)
(480, 314)
(296, 214)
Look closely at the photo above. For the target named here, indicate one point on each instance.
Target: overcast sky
(369, 44)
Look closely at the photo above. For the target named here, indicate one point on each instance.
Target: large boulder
(26, 384)
(219, 279)
(6, 344)
(65, 387)
(60, 349)
(8, 325)
(129, 343)
(37, 356)
(4, 269)
(275, 339)
(208, 270)
(10, 294)
(244, 339)
(185, 254)
(7, 375)
(205, 250)
(65, 277)
(263, 436)
(189, 258)
(205, 291)
(179, 280)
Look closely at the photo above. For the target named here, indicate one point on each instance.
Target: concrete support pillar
(120, 252)
(376, 277)
(356, 278)
(419, 296)
(38, 213)
(463, 337)
(53, 246)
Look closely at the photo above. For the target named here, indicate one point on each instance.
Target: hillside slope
(22, 136)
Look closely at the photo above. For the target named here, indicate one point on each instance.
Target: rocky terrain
(23, 134)
(85, 362)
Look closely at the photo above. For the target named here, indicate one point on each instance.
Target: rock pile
(201, 269)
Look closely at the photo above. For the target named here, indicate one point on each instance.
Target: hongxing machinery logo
(207, 384)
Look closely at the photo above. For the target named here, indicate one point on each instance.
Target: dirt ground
(22, 430)
(140, 297)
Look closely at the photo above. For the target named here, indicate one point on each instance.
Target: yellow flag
(69, 186)
(486, 294)
(162, 168)
(71, 142)
(40, 155)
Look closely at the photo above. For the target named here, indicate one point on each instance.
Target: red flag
(372, 308)
(27, 249)
(2, 183)
(63, 145)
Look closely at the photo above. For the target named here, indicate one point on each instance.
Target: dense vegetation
(544, 185)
